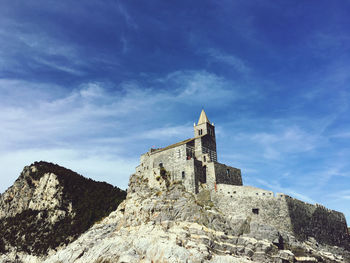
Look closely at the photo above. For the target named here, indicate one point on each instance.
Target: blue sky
(91, 85)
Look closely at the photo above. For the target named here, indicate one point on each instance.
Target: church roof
(173, 145)
(203, 118)
(176, 144)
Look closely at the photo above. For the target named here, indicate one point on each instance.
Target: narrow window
(160, 165)
(255, 211)
(228, 172)
(204, 159)
(183, 175)
(204, 177)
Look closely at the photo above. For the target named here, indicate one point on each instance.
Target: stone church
(192, 161)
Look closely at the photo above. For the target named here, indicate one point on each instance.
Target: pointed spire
(203, 118)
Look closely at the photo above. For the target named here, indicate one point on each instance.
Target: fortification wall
(283, 212)
(260, 206)
(325, 225)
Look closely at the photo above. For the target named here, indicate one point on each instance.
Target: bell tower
(204, 127)
(205, 142)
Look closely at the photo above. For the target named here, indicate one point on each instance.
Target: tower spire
(203, 118)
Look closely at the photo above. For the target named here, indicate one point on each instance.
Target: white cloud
(91, 90)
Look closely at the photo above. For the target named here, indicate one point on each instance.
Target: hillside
(49, 206)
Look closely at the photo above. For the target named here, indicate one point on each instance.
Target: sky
(91, 85)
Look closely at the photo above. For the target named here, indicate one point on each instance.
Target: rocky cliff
(49, 206)
(162, 222)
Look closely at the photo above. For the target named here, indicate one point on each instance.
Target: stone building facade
(192, 161)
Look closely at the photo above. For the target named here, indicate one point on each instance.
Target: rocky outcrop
(162, 222)
(165, 223)
(49, 206)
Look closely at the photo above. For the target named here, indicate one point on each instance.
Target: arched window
(183, 174)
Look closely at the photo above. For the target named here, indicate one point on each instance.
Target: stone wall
(208, 144)
(178, 162)
(283, 212)
(325, 225)
(257, 205)
(184, 167)
(227, 174)
(172, 159)
(210, 170)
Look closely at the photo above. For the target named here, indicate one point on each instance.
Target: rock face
(162, 222)
(49, 206)
(165, 223)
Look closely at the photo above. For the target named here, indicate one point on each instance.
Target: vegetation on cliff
(83, 202)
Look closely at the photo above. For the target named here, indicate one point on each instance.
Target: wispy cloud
(287, 140)
(45, 120)
(203, 87)
(342, 135)
(37, 50)
(235, 62)
(344, 194)
(281, 139)
(276, 187)
(129, 19)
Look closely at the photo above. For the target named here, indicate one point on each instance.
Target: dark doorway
(255, 211)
